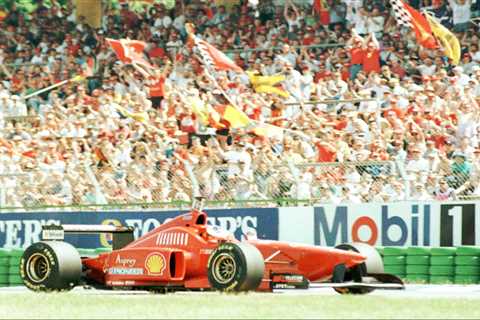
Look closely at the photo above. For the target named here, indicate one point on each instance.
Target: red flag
(118, 48)
(321, 8)
(129, 51)
(409, 17)
(214, 57)
(423, 32)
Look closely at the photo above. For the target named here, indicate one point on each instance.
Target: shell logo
(155, 263)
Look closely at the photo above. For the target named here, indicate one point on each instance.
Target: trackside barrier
(9, 267)
(400, 224)
(413, 264)
(10, 264)
(459, 265)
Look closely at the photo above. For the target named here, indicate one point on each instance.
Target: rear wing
(121, 236)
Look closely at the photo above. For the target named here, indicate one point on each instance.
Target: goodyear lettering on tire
(51, 259)
(232, 286)
(50, 256)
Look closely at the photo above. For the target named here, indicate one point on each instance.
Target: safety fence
(459, 265)
(156, 184)
(240, 49)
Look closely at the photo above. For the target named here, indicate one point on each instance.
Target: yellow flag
(268, 130)
(78, 78)
(198, 107)
(236, 118)
(137, 116)
(265, 84)
(272, 89)
(449, 42)
(264, 80)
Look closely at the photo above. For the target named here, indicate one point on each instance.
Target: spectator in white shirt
(162, 20)
(417, 163)
(375, 23)
(294, 18)
(306, 83)
(74, 130)
(37, 57)
(292, 81)
(462, 78)
(17, 108)
(461, 12)
(419, 193)
(179, 22)
(467, 63)
(5, 103)
(287, 55)
(360, 21)
(427, 68)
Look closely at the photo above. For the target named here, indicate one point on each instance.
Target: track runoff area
(416, 301)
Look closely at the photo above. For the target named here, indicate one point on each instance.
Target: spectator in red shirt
(326, 151)
(156, 81)
(309, 37)
(371, 56)
(356, 51)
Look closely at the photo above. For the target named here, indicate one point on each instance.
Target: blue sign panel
(20, 230)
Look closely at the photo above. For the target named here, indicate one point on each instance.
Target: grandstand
(352, 108)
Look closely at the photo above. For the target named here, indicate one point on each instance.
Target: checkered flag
(202, 49)
(401, 14)
(406, 16)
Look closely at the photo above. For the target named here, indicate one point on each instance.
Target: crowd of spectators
(129, 134)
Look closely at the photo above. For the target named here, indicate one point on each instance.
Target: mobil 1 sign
(392, 224)
(457, 224)
(376, 224)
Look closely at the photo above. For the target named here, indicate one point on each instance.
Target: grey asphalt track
(411, 290)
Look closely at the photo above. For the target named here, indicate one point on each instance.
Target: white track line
(411, 290)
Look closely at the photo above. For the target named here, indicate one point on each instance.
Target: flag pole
(293, 132)
(53, 86)
(329, 101)
(190, 32)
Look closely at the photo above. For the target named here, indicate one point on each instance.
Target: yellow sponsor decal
(155, 263)
(106, 238)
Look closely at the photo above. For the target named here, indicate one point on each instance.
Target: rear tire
(235, 267)
(373, 264)
(50, 266)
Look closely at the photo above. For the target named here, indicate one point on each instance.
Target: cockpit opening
(201, 219)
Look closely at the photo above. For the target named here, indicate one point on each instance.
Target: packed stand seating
(130, 135)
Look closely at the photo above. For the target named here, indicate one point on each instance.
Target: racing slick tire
(373, 264)
(50, 266)
(235, 267)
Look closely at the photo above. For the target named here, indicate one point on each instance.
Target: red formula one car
(187, 254)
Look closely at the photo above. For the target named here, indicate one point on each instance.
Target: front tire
(373, 264)
(50, 266)
(235, 267)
